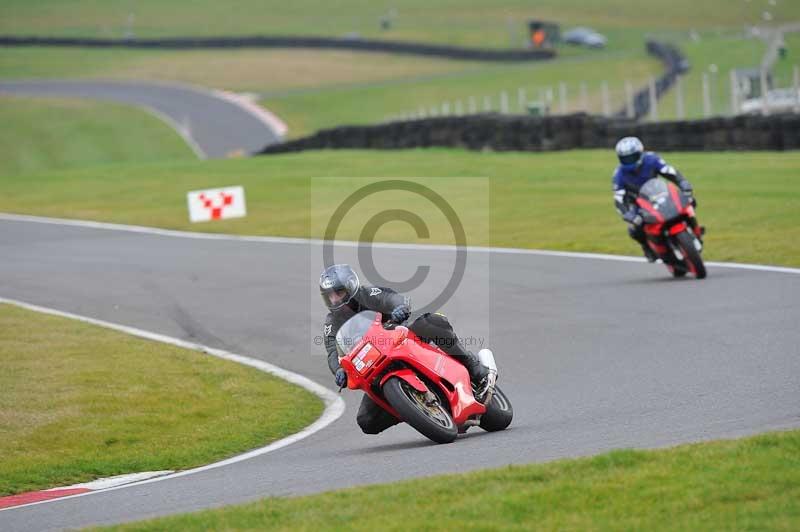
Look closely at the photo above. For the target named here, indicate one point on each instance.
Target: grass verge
(465, 22)
(326, 88)
(557, 200)
(81, 402)
(43, 133)
(746, 484)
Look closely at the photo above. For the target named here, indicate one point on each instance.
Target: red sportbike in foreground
(666, 213)
(416, 381)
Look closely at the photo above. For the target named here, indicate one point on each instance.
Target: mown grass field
(313, 89)
(469, 22)
(308, 111)
(42, 133)
(558, 200)
(253, 70)
(81, 402)
(748, 484)
(326, 89)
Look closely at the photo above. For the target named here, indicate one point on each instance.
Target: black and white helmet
(629, 151)
(337, 285)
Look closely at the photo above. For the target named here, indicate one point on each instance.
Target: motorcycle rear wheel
(690, 254)
(431, 420)
(499, 412)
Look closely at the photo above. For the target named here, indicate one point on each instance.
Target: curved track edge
(384, 245)
(334, 405)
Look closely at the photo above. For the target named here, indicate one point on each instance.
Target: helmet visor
(335, 299)
(631, 159)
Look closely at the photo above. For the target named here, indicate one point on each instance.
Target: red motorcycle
(666, 215)
(417, 382)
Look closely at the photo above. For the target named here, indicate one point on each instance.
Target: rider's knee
(636, 233)
(437, 320)
(367, 423)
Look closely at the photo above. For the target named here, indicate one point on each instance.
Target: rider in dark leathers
(344, 296)
(635, 168)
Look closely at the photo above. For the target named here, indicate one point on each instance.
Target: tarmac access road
(215, 124)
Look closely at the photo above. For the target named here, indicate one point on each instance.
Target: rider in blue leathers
(636, 167)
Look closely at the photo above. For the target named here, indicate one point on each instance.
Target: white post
(653, 99)
(629, 99)
(421, 113)
(562, 97)
(680, 109)
(487, 103)
(459, 109)
(445, 108)
(473, 105)
(584, 97)
(522, 100)
(764, 91)
(734, 93)
(796, 85)
(606, 99)
(504, 102)
(706, 96)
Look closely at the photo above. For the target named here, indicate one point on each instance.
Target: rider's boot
(649, 254)
(698, 230)
(477, 371)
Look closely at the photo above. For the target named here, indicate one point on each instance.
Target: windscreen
(353, 331)
(654, 189)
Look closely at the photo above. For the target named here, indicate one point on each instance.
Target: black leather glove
(341, 378)
(686, 187)
(401, 313)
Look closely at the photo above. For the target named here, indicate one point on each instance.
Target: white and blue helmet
(629, 151)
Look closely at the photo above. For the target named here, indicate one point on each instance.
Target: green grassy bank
(560, 200)
(46, 133)
(749, 484)
(81, 402)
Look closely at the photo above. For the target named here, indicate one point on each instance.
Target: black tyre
(499, 412)
(431, 419)
(676, 271)
(690, 254)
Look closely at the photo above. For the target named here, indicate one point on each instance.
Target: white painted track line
(334, 405)
(381, 245)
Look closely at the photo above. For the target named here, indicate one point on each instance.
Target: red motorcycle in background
(667, 217)
(417, 382)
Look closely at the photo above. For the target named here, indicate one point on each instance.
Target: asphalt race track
(213, 125)
(594, 354)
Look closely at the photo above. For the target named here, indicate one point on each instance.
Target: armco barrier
(358, 44)
(522, 133)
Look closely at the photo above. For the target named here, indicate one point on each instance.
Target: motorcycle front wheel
(430, 418)
(691, 256)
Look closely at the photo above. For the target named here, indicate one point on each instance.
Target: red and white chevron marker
(101, 484)
(216, 204)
